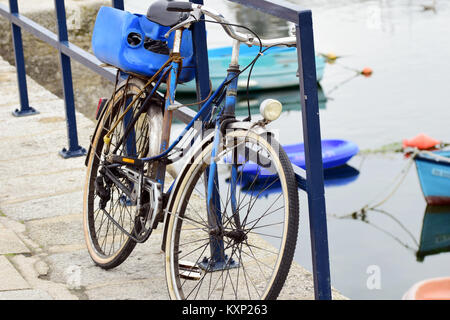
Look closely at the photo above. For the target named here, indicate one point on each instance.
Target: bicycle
(219, 242)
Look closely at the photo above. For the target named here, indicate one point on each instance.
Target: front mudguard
(238, 125)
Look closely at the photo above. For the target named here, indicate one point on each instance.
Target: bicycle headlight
(271, 109)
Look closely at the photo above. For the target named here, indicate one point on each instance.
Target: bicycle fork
(219, 260)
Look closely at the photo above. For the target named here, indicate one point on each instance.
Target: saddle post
(170, 99)
(177, 42)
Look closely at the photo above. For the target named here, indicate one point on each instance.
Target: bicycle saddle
(158, 13)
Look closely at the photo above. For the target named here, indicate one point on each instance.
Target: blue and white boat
(433, 169)
(276, 69)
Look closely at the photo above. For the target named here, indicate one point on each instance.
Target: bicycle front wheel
(243, 248)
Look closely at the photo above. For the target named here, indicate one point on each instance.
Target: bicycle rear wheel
(109, 246)
(259, 215)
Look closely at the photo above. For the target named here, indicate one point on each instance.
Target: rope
(398, 180)
(362, 213)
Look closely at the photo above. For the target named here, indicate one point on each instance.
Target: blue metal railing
(308, 97)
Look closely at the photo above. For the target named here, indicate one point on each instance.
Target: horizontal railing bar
(300, 174)
(74, 52)
(184, 114)
(88, 60)
(51, 38)
(299, 171)
(278, 8)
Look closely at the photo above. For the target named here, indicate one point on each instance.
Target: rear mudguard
(140, 84)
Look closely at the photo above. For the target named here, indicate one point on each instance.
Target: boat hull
(434, 177)
(335, 153)
(431, 289)
(277, 69)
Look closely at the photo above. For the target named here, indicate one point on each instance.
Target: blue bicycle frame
(219, 260)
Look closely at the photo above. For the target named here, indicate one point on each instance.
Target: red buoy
(421, 142)
(367, 72)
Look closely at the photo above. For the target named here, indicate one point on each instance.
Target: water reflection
(290, 98)
(334, 177)
(261, 23)
(434, 237)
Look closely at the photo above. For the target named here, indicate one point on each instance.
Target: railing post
(75, 150)
(25, 109)
(201, 58)
(313, 157)
(118, 4)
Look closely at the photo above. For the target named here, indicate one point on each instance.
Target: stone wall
(42, 60)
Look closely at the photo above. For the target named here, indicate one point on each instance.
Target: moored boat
(276, 69)
(433, 169)
(335, 153)
(430, 289)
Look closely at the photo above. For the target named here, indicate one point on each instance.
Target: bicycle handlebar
(199, 10)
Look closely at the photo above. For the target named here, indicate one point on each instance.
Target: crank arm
(119, 184)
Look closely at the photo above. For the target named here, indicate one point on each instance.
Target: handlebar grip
(179, 6)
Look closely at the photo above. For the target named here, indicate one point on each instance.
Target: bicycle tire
(176, 275)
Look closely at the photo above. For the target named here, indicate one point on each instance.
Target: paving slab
(52, 206)
(10, 243)
(61, 230)
(35, 145)
(51, 111)
(35, 270)
(133, 290)
(38, 166)
(10, 278)
(10, 100)
(8, 224)
(145, 262)
(51, 183)
(25, 295)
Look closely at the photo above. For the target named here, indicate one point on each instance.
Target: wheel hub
(237, 235)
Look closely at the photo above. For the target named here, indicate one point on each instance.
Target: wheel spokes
(250, 262)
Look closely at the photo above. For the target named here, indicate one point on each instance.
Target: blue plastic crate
(110, 43)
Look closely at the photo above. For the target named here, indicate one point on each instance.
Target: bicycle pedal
(190, 275)
(187, 265)
(113, 158)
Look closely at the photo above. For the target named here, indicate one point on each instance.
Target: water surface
(408, 49)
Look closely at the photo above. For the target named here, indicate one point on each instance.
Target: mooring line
(397, 182)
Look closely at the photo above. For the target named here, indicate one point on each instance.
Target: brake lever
(193, 17)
